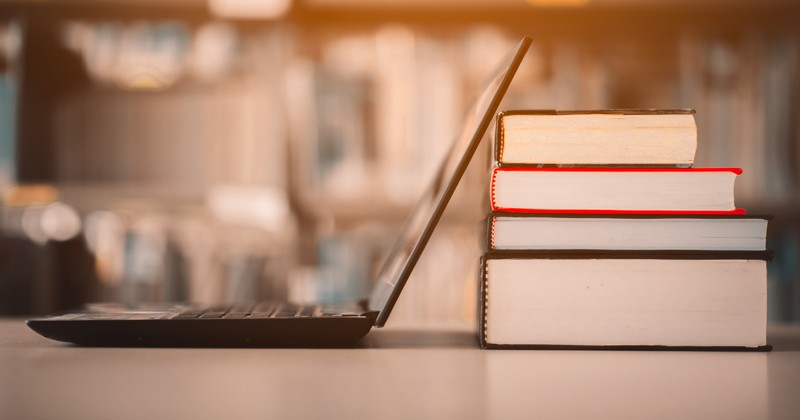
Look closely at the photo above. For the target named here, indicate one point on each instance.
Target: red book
(614, 190)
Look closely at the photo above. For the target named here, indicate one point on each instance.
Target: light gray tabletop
(394, 374)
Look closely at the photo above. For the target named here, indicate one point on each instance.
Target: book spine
(483, 299)
(499, 139)
(493, 190)
(492, 226)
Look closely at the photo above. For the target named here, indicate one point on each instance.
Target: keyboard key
(237, 315)
(188, 315)
(261, 314)
(286, 312)
(308, 311)
(265, 307)
(143, 316)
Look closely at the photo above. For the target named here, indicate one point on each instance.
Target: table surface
(394, 374)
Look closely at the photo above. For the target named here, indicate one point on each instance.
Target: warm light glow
(60, 222)
(213, 51)
(27, 195)
(105, 237)
(32, 224)
(56, 222)
(10, 41)
(557, 3)
(259, 207)
(249, 9)
(137, 56)
(143, 82)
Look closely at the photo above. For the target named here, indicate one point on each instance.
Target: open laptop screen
(418, 229)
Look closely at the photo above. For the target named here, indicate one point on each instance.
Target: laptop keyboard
(264, 310)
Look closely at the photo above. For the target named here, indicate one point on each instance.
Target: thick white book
(625, 301)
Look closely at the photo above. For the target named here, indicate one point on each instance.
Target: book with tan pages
(624, 137)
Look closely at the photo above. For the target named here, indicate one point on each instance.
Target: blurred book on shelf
(740, 112)
(381, 109)
(10, 46)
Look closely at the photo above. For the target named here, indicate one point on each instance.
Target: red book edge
(737, 171)
(737, 211)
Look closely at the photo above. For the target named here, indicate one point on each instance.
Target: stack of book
(603, 235)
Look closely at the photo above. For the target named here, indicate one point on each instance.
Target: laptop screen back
(418, 229)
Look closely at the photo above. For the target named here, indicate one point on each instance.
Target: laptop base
(289, 332)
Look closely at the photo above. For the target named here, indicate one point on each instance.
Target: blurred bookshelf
(215, 156)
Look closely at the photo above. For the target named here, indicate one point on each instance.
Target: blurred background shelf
(228, 150)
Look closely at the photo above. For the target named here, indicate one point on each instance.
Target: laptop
(281, 324)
